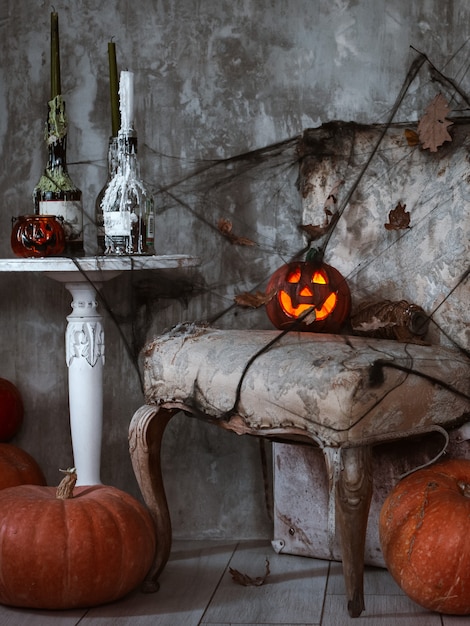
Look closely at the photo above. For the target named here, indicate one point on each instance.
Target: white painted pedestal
(84, 340)
(84, 355)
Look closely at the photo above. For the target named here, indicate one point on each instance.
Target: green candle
(55, 58)
(114, 89)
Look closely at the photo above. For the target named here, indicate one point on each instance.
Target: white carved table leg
(84, 350)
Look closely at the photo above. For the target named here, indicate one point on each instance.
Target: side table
(84, 339)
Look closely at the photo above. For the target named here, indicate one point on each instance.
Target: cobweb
(258, 193)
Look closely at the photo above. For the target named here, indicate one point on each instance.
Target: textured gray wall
(214, 79)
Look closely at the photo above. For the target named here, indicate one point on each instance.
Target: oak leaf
(432, 127)
(248, 581)
(412, 137)
(398, 218)
(315, 231)
(225, 227)
(254, 300)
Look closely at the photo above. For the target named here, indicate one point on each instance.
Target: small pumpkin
(17, 467)
(308, 296)
(37, 236)
(11, 410)
(63, 552)
(424, 529)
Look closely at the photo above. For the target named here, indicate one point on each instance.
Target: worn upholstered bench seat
(341, 393)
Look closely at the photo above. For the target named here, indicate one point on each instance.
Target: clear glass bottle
(124, 202)
(99, 217)
(55, 193)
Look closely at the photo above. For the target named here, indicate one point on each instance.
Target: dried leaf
(332, 196)
(247, 581)
(254, 300)
(315, 231)
(375, 323)
(398, 218)
(432, 128)
(412, 137)
(225, 227)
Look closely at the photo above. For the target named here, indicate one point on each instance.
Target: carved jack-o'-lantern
(37, 236)
(308, 296)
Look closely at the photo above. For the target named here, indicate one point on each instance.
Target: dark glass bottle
(112, 169)
(55, 193)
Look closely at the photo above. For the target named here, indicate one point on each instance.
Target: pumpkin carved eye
(319, 278)
(294, 277)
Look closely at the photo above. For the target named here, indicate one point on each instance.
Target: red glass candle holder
(37, 236)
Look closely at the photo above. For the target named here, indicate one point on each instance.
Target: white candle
(126, 98)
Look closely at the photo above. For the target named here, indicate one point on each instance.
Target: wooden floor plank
(380, 611)
(28, 617)
(292, 593)
(456, 620)
(377, 581)
(198, 590)
(386, 604)
(186, 587)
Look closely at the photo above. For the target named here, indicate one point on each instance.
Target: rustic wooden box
(304, 511)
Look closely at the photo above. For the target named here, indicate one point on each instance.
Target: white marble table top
(100, 268)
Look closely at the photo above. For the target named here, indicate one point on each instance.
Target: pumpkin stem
(65, 488)
(315, 256)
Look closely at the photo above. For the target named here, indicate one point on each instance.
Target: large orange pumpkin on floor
(424, 535)
(308, 296)
(17, 467)
(80, 551)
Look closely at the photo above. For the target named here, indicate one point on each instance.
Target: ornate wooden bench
(341, 393)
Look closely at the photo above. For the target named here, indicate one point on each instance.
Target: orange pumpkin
(308, 296)
(17, 467)
(424, 528)
(80, 551)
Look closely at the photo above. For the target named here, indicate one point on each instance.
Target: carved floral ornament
(85, 334)
(85, 340)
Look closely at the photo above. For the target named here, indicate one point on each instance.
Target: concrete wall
(214, 80)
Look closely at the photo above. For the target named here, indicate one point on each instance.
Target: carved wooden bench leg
(353, 496)
(145, 436)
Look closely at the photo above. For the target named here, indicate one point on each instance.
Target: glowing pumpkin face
(301, 287)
